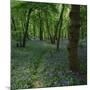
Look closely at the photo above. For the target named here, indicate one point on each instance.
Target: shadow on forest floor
(40, 65)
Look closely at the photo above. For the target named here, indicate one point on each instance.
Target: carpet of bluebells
(40, 65)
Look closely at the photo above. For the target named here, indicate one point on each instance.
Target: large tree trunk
(60, 27)
(26, 27)
(74, 38)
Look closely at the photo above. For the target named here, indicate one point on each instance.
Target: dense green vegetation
(48, 45)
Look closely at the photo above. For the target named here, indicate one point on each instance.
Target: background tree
(26, 26)
(59, 27)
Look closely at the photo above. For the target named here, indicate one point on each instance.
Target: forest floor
(40, 65)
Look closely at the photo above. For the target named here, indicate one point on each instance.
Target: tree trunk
(60, 27)
(74, 38)
(47, 25)
(26, 27)
(41, 31)
(34, 29)
(56, 30)
(20, 36)
(13, 22)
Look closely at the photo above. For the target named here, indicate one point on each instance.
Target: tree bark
(74, 38)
